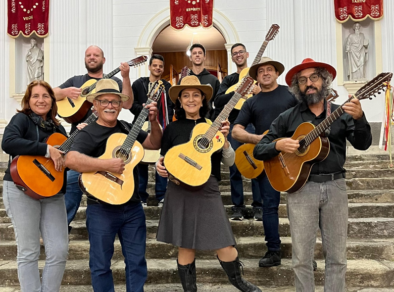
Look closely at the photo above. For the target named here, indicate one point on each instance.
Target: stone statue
(35, 62)
(357, 53)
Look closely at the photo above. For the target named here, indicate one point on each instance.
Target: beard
(94, 69)
(314, 98)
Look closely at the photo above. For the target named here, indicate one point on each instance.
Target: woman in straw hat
(197, 220)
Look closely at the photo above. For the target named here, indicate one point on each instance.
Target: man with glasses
(322, 202)
(94, 61)
(239, 55)
(105, 221)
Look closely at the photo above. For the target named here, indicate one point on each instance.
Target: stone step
(360, 273)
(248, 247)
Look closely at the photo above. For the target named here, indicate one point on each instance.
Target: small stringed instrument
(288, 172)
(274, 29)
(73, 110)
(189, 164)
(151, 156)
(36, 176)
(184, 72)
(249, 166)
(113, 188)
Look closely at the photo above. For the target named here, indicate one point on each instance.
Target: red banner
(191, 12)
(358, 10)
(28, 16)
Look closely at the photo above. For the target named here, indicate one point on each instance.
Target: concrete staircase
(370, 245)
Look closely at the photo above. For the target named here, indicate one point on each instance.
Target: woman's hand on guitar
(287, 145)
(74, 92)
(81, 126)
(161, 170)
(115, 165)
(57, 157)
(225, 128)
(353, 108)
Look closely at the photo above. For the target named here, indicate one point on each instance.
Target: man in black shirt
(141, 87)
(239, 57)
(260, 110)
(94, 61)
(105, 221)
(322, 202)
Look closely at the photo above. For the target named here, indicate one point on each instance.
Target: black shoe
(271, 258)
(237, 213)
(258, 214)
(233, 272)
(187, 274)
(314, 265)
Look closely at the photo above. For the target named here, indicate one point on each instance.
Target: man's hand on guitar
(287, 145)
(353, 108)
(161, 170)
(124, 69)
(73, 92)
(57, 157)
(152, 107)
(81, 126)
(115, 165)
(256, 89)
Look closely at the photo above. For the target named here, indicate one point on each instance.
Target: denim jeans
(271, 200)
(104, 222)
(237, 191)
(30, 217)
(324, 206)
(73, 195)
(160, 186)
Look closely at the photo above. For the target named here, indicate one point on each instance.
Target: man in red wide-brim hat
(322, 201)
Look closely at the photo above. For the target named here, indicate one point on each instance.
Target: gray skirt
(195, 219)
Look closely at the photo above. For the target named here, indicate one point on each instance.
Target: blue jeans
(104, 222)
(29, 218)
(160, 186)
(237, 192)
(73, 195)
(324, 206)
(271, 200)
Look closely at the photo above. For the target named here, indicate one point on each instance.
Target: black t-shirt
(92, 141)
(222, 98)
(179, 132)
(263, 108)
(78, 81)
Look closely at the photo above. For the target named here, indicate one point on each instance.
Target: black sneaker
(257, 214)
(237, 213)
(271, 258)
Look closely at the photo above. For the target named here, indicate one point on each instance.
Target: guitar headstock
(137, 61)
(373, 87)
(185, 72)
(273, 31)
(156, 90)
(332, 96)
(246, 86)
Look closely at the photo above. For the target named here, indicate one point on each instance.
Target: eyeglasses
(238, 53)
(313, 78)
(115, 103)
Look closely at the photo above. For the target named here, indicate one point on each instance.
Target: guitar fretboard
(260, 53)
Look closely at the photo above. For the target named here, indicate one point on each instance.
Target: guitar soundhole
(85, 91)
(122, 155)
(201, 144)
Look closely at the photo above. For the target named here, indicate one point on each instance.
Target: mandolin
(189, 164)
(36, 176)
(113, 188)
(251, 167)
(73, 110)
(288, 172)
(274, 29)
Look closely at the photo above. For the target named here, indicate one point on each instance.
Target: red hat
(309, 63)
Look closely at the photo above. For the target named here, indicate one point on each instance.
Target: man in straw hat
(105, 221)
(322, 202)
(260, 110)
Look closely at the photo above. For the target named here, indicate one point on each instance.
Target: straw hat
(190, 82)
(106, 86)
(265, 61)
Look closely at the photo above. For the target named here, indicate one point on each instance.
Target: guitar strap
(328, 113)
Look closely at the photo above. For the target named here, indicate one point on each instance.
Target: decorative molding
(353, 86)
(18, 97)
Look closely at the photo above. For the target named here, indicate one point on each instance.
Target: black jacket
(222, 98)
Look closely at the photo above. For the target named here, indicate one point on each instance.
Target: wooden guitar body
(247, 165)
(151, 156)
(189, 164)
(72, 111)
(112, 188)
(288, 172)
(36, 176)
(234, 87)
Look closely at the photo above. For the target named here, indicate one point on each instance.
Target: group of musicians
(190, 220)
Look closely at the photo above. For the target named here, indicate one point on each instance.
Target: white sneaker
(160, 204)
(144, 204)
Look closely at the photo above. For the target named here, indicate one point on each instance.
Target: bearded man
(322, 202)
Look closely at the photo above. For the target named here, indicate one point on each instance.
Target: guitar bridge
(284, 166)
(43, 169)
(190, 161)
(250, 160)
(111, 177)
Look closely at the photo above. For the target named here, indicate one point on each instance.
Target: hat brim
(293, 71)
(175, 90)
(93, 96)
(278, 66)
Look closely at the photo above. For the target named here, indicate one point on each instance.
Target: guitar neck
(112, 73)
(260, 53)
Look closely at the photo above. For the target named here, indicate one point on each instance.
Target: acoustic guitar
(288, 172)
(151, 156)
(36, 176)
(274, 29)
(251, 167)
(113, 188)
(189, 164)
(73, 110)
